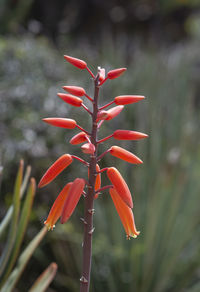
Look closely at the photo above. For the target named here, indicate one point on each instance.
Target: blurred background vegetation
(158, 41)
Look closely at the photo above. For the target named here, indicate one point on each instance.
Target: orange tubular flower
(76, 62)
(113, 112)
(56, 209)
(78, 139)
(61, 122)
(115, 73)
(125, 214)
(120, 185)
(128, 135)
(88, 148)
(55, 169)
(124, 155)
(127, 99)
(97, 181)
(76, 90)
(72, 199)
(70, 99)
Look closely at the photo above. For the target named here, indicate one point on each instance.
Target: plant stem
(89, 201)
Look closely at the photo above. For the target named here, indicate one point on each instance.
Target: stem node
(83, 280)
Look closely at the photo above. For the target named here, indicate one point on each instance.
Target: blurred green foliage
(166, 188)
(13, 227)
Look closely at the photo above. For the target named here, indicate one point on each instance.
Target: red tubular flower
(88, 148)
(78, 139)
(125, 214)
(76, 90)
(61, 122)
(120, 185)
(123, 154)
(72, 199)
(128, 135)
(127, 99)
(55, 169)
(56, 209)
(70, 99)
(113, 112)
(115, 73)
(76, 62)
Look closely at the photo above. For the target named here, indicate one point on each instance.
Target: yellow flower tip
(49, 225)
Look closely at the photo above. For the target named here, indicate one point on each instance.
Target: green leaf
(9, 213)
(13, 227)
(44, 280)
(22, 261)
(23, 222)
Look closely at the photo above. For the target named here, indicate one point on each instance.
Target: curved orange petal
(55, 169)
(125, 214)
(56, 209)
(123, 154)
(120, 185)
(73, 197)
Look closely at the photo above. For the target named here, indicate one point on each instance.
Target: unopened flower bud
(61, 122)
(113, 112)
(101, 74)
(55, 169)
(76, 62)
(127, 99)
(123, 154)
(78, 139)
(128, 135)
(88, 148)
(102, 115)
(70, 99)
(115, 73)
(76, 90)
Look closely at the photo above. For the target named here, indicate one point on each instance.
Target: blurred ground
(158, 41)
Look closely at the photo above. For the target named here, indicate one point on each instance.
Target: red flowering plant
(90, 188)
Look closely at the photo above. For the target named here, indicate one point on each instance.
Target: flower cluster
(70, 195)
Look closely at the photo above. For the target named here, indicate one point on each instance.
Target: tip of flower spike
(76, 62)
